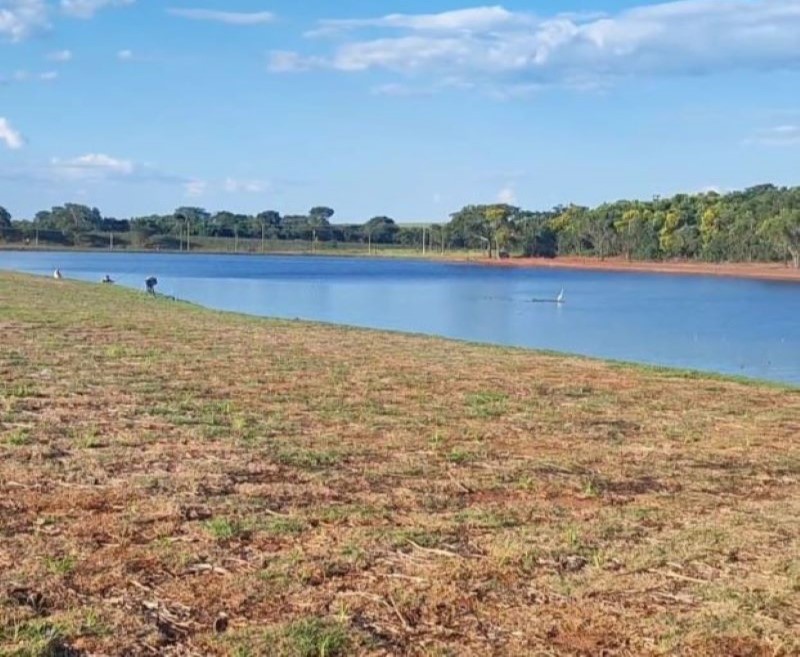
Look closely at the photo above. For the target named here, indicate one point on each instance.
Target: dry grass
(180, 482)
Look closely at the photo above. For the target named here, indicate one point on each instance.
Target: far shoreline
(748, 270)
(765, 271)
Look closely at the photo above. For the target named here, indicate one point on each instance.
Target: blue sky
(408, 108)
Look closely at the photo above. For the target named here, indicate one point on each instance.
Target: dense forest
(758, 224)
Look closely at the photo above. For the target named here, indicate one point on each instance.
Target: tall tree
(784, 228)
(469, 228)
(501, 227)
(320, 216)
(382, 230)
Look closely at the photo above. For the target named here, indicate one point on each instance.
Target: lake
(725, 325)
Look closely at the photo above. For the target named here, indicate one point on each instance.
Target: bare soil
(757, 270)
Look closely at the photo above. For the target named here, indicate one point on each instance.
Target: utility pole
(262, 236)
(423, 240)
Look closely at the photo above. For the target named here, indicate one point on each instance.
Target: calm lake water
(733, 326)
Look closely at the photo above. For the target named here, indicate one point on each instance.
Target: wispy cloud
(60, 56)
(88, 8)
(195, 188)
(492, 46)
(99, 167)
(125, 55)
(782, 135)
(400, 90)
(507, 195)
(10, 137)
(478, 19)
(227, 17)
(236, 186)
(21, 18)
(92, 166)
(89, 170)
(286, 61)
(22, 76)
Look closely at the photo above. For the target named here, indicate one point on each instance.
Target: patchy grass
(179, 481)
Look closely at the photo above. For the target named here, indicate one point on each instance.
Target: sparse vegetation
(256, 487)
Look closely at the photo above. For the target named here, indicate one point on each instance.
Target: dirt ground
(757, 270)
(176, 481)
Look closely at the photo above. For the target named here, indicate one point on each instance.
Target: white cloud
(234, 186)
(467, 20)
(195, 188)
(92, 166)
(227, 17)
(88, 8)
(507, 195)
(91, 169)
(492, 46)
(10, 137)
(22, 76)
(60, 56)
(285, 61)
(399, 90)
(782, 135)
(125, 55)
(21, 18)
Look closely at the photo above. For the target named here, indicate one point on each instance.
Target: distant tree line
(758, 224)
(79, 225)
(761, 223)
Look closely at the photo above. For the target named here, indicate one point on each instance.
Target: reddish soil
(757, 270)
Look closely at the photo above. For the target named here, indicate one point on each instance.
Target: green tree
(636, 233)
(600, 230)
(382, 230)
(537, 236)
(570, 224)
(666, 236)
(144, 228)
(320, 216)
(5, 222)
(469, 228)
(502, 230)
(784, 229)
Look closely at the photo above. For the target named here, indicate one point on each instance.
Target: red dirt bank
(760, 270)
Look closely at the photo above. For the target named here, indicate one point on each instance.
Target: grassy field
(175, 481)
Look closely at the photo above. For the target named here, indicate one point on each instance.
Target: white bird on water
(559, 299)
